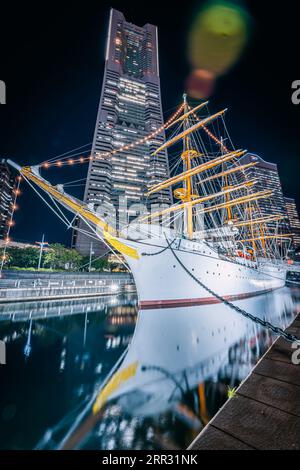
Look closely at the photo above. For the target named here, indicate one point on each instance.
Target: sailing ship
(171, 358)
(212, 240)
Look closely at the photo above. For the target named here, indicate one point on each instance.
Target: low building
(267, 178)
(293, 218)
(7, 186)
(20, 245)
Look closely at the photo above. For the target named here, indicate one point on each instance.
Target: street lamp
(91, 253)
(42, 244)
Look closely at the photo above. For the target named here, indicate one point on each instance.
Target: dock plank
(222, 441)
(265, 412)
(277, 369)
(273, 392)
(281, 350)
(259, 425)
(280, 355)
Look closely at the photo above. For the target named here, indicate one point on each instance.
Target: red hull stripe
(147, 304)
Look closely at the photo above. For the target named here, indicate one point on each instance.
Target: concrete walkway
(265, 412)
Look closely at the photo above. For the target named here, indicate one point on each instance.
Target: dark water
(177, 366)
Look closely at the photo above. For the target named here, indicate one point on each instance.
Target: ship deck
(265, 412)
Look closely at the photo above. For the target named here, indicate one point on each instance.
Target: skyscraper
(6, 197)
(267, 178)
(130, 109)
(293, 218)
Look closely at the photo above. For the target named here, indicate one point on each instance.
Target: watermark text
(2, 353)
(296, 353)
(296, 93)
(2, 92)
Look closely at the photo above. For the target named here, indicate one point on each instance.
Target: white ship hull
(163, 282)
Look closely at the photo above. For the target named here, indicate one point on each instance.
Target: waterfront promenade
(18, 286)
(265, 411)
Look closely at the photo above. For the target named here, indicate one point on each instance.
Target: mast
(197, 169)
(226, 186)
(186, 157)
(251, 228)
(199, 200)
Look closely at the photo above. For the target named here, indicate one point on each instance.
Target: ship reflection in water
(64, 385)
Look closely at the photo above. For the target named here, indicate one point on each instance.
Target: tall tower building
(293, 218)
(267, 178)
(6, 197)
(130, 109)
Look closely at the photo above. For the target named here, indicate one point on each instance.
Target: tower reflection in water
(172, 377)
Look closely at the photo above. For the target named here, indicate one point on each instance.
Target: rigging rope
(65, 220)
(264, 227)
(143, 140)
(68, 153)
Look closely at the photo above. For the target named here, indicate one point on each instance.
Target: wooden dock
(265, 412)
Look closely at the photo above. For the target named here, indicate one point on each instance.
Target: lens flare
(200, 84)
(218, 36)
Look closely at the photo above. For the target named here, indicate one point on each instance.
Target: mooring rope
(161, 251)
(275, 329)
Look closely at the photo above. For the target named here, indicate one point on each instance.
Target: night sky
(52, 58)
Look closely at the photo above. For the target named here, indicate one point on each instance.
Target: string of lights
(212, 136)
(70, 153)
(83, 159)
(70, 160)
(10, 224)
